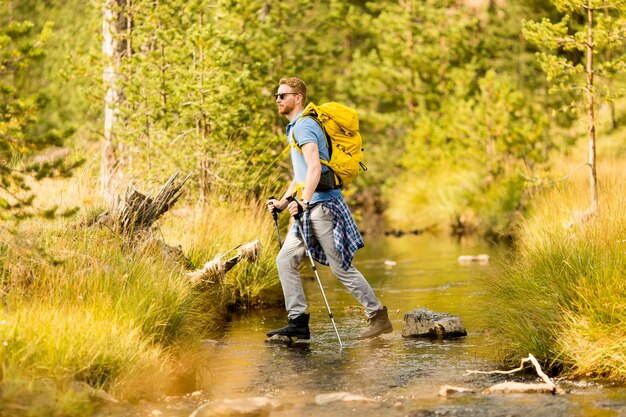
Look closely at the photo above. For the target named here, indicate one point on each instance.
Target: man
(324, 212)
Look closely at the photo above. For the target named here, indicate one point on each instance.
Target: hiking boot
(298, 327)
(377, 325)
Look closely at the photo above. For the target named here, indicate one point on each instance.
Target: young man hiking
(329, 228)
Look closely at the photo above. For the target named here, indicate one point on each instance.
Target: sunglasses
(282, 95)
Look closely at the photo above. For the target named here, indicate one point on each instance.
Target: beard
(285, 108)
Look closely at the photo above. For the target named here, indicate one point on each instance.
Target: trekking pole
(308, 252)
(275, 216)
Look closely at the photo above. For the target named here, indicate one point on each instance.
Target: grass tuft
(564, 297)
(82, 309)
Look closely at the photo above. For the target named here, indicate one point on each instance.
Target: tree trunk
(411, 104)
(115, 25)
(593, 209)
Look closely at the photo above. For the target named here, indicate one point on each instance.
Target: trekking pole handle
(276, 209)
(300, 208)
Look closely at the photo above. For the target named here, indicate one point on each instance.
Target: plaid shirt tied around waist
(345, 233)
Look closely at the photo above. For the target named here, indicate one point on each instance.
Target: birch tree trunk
(408, 5)
(593, 179)
(115, 25)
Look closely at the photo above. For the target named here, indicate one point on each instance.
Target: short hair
(296, 83)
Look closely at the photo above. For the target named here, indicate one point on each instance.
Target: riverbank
(563, 298)
(83, 316)
(389, 376)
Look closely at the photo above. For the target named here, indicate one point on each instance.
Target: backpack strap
(293, 143)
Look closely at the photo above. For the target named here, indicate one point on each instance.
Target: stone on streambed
(423, 322)
(449, 390)
(481, 259)
(323, 399)
(520, 388)
(244, 407)
(279, 339)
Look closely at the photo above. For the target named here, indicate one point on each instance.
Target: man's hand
(276, 205)
(296, 207)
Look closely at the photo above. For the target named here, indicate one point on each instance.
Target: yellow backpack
(341, 126)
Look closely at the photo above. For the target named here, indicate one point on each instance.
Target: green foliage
(496, 135)
(19, 129)
(566, 71)
(429, 101)
(68, 73)
(23, 130)
(199, 83)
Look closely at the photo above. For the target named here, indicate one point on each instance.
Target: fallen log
(214, 270)
(137, 212)
(134, 215)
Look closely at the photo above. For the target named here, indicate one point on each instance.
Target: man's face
(285, 99)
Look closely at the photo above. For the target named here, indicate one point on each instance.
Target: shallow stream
(401, 376)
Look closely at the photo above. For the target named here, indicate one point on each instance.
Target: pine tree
(23, 134)
(602, 28)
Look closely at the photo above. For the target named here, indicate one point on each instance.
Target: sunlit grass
(564, 298)
(458, 201)
(432, 201)
(220, 228)
(82, 308)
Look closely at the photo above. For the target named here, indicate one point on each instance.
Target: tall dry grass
(82, 310)
(564, 297)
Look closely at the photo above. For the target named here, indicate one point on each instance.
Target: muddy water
(401, 376)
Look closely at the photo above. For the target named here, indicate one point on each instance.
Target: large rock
(245, 407)
(423, 322)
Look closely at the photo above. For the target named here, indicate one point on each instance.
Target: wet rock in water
(449, 390)
(322, 399)
(423, 322)
(209, 343)
(245, 407)
(520, 388)
(279, 339)
(483, 258)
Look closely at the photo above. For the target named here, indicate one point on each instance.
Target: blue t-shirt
(307, 130)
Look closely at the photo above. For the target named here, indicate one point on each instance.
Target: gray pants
(291, 254)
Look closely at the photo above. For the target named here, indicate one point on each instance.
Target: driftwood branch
(535, 363)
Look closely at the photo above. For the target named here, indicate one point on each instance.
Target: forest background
(447, 93)
(472, 112)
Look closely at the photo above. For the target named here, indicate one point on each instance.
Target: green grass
(82, 310)
(219, 228)
(564, 297)
(431, 201)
